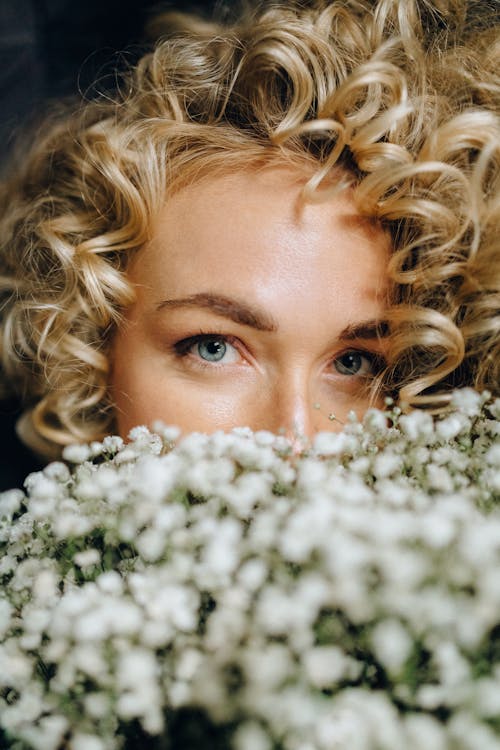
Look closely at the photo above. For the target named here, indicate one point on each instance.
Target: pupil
(349, 364)
(212, 350)
(354, 361)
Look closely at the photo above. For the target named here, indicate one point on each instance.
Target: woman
(271, 224)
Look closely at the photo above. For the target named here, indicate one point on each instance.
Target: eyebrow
(245, 314)
(367, 329)
(227, 307)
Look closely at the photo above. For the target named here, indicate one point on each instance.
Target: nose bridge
(291, 405)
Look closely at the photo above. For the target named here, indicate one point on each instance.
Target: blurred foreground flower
(217, 592)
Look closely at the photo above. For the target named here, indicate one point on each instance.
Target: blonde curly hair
(403, 96)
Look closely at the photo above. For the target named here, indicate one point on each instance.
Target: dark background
(53, 49)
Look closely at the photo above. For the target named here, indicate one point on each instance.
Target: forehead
(251, 233)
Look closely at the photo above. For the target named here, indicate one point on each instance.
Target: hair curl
(403, 96)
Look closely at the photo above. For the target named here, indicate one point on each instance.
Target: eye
(209, 348)
(357, 363)
(213, 350)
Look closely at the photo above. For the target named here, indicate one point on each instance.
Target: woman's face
(253, 309)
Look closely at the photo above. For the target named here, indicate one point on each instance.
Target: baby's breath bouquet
(221, 592)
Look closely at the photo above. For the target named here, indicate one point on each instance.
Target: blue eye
(207, 347)
(212, 350)
(354, 362)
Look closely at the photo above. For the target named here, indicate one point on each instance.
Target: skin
(277, 285)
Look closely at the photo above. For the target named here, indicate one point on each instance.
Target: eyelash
(376, 361)
(182, 349)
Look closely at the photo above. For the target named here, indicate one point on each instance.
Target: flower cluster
(347, 598)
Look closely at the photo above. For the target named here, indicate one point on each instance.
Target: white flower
(87, 742)
(417, 426)
(376, 421)
(168, 602)
(469, 734)
(220, 556)
(386, 464)
(86, 490)
(467, 401)
(98, 705)
(47, 734)
(151, 544)
(188, 664)
(35, 619)
(136, 668)
(494, 408)
(137, 678)
(10, 503)
(325, 665)
(90, 660)
(492, 456)
(275, 612)
(252, 574)
(438, 530)
(304, 528)
(45, 589)
(110, 582)
(439, 478)
(392, 644)
(15, 667)
(251, 736)
(76, 454)
(333, 600)
(87, 558)
(204, 476)
(333, 443)
(71, 523)
(112, 443)
(376, 719)
(156, 634)
(246, 491)
(267, 666)
(451, 426)
(487, 697)
(423, 732)
(6, 611)
(108, 616)
(453, 667)
(264, 437)
(169, 433)
(145, 441)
